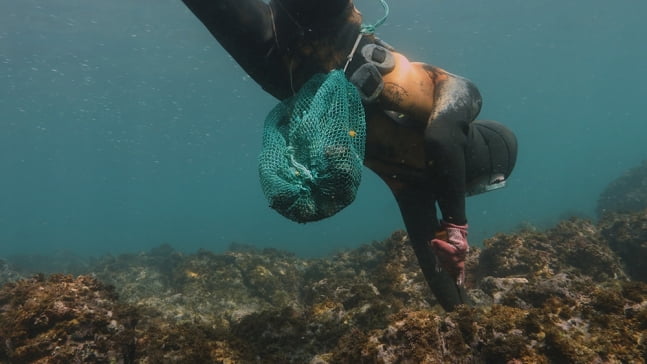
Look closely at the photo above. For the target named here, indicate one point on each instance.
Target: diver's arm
(445, 148)
(443, 105)
(457, 102)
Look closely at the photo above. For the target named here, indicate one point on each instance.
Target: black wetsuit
(283, 43)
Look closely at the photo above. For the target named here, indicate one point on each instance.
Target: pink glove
(450, 247)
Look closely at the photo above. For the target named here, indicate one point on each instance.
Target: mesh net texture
(313, 149)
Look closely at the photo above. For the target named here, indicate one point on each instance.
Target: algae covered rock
(626, 234)
(575, 246)
(558, 331)
(63, 319)
(214, 289)
(627, 193)
(8, 273)
(557, 296)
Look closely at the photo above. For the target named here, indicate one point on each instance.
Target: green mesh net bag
(313, 149)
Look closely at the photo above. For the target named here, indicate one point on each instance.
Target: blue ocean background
(124, 125)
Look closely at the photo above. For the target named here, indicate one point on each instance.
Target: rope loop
(370, 28)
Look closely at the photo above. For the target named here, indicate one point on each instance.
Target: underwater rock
(217, 289)
(542, 297)
(8, 273)
(63, 319)
(626, 234)
(556, 332)
(574, 246)
(65, 261)
(382, 271)
(627, 193)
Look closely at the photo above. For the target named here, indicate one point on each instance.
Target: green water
(124, 125)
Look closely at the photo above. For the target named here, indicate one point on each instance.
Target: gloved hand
(450, 247)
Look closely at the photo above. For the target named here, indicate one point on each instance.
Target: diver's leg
(419, 214)
(249, 19)
(243, 27)
(306, 12)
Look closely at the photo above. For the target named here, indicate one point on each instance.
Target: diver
(421, 136)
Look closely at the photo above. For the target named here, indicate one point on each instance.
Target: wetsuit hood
(490, 156)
